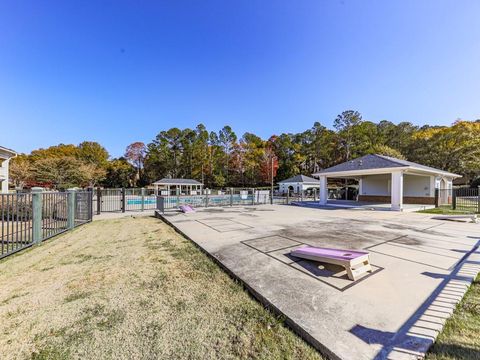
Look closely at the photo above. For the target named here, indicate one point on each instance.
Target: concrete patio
(364, 205)
(422, 268)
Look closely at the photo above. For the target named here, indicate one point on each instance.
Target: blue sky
(120, 71)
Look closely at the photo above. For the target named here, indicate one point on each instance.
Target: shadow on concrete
(419, 332)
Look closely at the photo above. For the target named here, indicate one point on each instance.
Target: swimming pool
(139, 201)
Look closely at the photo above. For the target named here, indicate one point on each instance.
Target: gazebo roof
(178, 181)
(299, 179)
(374, 163)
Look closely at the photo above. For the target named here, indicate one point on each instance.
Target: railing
(122, 199)
(141, 199)
(16, 223)
(30, 218)
(233, 197)
(459, 199)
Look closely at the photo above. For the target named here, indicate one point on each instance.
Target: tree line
(221, 159)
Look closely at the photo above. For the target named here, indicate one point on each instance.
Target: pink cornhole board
(187, 209)
(355, 262)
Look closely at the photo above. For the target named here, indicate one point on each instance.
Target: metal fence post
(253, 196)
(436, 197)
(71, 193)
(161, 203)
(143, 198)
(99, 200)
(177, 190)
(478, 201)
(288, 195)
(123, 200)
(90, 202)
(206, 197)
(37, 207)
(454, 199)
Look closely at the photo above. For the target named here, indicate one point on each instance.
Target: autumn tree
(135, 153)
(21, 171)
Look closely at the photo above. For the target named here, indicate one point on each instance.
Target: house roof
(300, 179)
(372, 162)
(8, 151)
(168, 181)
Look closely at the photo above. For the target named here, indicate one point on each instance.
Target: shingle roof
(299, 179)
(375, 161)
(168, 181)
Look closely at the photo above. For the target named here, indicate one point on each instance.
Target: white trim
(376, 171)
(8, 151)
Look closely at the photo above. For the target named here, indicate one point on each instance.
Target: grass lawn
(132, 288)
(446, 211)
(460, 338)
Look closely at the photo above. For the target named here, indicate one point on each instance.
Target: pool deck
(363, 205)
(421, 269)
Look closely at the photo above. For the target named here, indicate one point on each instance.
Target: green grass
(460, 338)
(448, 211)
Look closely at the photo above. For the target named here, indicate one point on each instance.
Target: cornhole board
(355, 262)
(187, 209)
(472, 217)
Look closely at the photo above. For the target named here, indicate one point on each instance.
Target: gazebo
(384, 179)
(298, 184)
(168, 186)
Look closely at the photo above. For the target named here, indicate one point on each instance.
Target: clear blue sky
(121, 71)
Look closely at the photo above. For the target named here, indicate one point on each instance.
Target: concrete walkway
(422, 268)
(362, 205)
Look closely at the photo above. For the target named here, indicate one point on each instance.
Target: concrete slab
(362, 205)
(422, 268)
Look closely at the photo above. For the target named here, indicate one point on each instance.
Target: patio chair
(355, 262)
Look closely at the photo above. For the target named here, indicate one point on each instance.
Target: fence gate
(122, 199)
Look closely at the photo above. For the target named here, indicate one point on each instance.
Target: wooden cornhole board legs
(355, 267)
(354, 272)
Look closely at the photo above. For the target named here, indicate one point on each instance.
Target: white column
(397, 191)
(323, 190)
(432, 185)
(4, 183)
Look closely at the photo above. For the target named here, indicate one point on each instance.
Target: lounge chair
(187, 209)
(355, 262)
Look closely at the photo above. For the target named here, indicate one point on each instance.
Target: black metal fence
(16, 222)
(29, 218)
(233, 197)
(458, 199)
(122, 199)
(83, 207)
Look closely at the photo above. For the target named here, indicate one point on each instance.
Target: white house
(168, 186)
(297, 184)
(384, 179)
(5, 156)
